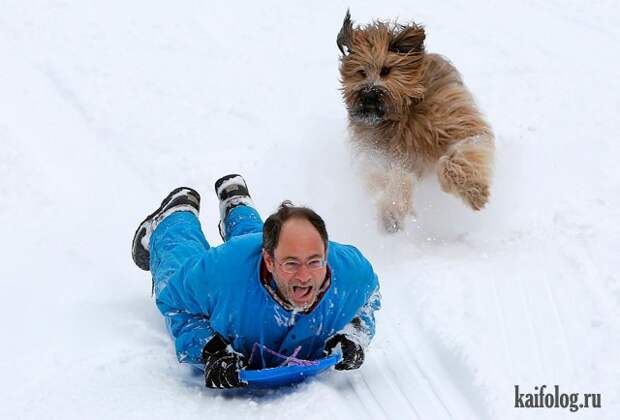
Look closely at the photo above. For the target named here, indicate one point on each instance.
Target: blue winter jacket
(203, 290)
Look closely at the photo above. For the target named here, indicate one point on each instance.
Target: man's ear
(268, 261)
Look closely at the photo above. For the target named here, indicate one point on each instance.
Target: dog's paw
(393, 217)
(391, 223)
(459, 177)
(476, 195)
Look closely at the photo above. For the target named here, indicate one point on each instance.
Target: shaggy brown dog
(410, 114)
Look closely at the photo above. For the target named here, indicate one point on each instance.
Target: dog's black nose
(370, 98)
(371, 101)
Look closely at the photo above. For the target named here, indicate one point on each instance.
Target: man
(280, 286)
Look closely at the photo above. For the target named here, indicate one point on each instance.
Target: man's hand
(222, 364)
(352, 352)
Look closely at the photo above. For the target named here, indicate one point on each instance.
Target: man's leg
(238, 216)
(177, 241)
(241, 220)
(169, 236)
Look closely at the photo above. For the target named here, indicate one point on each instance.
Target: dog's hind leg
(466, 169)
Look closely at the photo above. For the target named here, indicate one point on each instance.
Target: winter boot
(180, 199)
(232, 191)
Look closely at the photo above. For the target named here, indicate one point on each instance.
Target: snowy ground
(105, 108)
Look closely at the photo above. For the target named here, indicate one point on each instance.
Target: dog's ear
(409, 39)
(344, 36)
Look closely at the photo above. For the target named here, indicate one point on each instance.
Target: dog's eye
(385, 71)
(361, 73)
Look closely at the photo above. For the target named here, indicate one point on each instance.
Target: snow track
(104, 110)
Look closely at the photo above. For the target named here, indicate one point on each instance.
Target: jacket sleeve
(191, 332)
(364, 281)
(187, 318)
(362, 328)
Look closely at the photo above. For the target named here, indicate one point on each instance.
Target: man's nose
(304, 274)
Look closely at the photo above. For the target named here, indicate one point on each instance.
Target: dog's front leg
(395, 201)
(465, 170)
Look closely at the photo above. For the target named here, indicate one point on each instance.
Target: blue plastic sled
(286, 375)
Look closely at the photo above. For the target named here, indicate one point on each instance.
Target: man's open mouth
(301, 293)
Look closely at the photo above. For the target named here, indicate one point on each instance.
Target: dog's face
(381, 69)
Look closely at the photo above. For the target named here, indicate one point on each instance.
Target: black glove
(352, 353)
(222, 364)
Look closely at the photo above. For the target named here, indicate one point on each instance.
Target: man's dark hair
(286, 211)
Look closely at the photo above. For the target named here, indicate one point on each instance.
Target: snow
(106, 108)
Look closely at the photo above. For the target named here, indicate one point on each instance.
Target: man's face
(296, 264)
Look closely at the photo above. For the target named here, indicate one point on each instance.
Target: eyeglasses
(292, 266)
